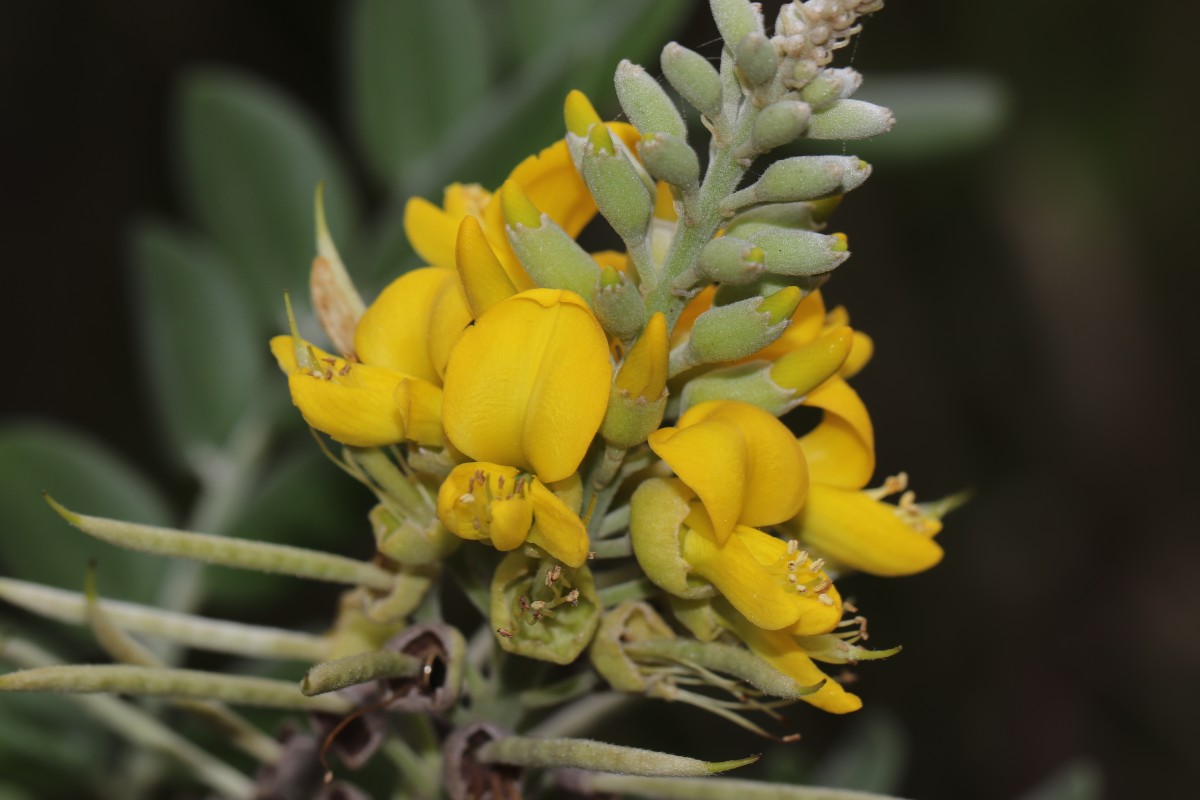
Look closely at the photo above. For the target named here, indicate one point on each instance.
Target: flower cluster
(576, 408)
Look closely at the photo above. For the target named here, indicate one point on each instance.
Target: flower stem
(701, 788)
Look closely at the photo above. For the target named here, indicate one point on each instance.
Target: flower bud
(669, 158)
(729, 260)
(783, 215)
(831, 85)
(618, 304)
(579, 114)
(646, 103)
(756, 57)
(796, 252)
(548, 253)
(616, 186)
(777, 387)
(768, 284)
(543, 613)
(779, 124)
(480, 272)
(801, 178)
(732, 332)
(850, 119)
(690, 74)
(735, 19)
(639, 391)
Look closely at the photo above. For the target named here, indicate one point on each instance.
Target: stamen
(825, 599)
(466, 498)
(793, 546)
(816, 566)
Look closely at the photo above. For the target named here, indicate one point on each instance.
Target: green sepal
(552, 258)
(746, 383)
(730, 260)
(799, 253)
(656, 514)
(618, 305)
(408, 542)
(619, 191)
(831, 85)
(628, 622)
(566, 627)
(628, 421)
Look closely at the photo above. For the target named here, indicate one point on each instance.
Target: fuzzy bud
(732, 332)
(639, 391)
(616, 186)
(850, 119)
(735, 19)
(729, 260)
(618, 305)
(646, 103)
(690, 74)
(756, 58)
(831, 85)
(548, 253)
(779, 124)
(668, 158)
(800, 253)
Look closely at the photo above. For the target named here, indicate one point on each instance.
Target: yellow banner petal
(840, 450)
(556, 528)
(527, 385)
(353, 403)
(394, 331)
(481, 274)
(863, 534)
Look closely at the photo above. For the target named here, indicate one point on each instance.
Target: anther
(507, 634)
(791, 566)
(791, 578)
(816, 566)
(467, 498)
(801, 588)
(793, 546)
(825, 599)
(344, 371)
(802, 556)
(572, 597)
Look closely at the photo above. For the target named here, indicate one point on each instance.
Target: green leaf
(523, 114)
(871, 758)
(37, 545)
(1079, 780)
(416, 69)
(204, 352)
(305, 502)
(251, 161)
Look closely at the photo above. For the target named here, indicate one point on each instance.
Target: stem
(582, 715)
(587, 754)
(614, 522)
(613, 548)
(703, 788)
(630, 590)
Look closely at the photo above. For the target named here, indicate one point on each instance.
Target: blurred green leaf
(533, 25)
(870, 759)
(306, 502)
(937, 116)
(45, 743)
(1079, 780)
(37, 545)
(204, 354)
(523, 114)
(416, 69)
(251, 161)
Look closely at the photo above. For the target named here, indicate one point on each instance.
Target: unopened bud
(779, 124)
(617, 187)
(850, 119)
(831, 85)
(729, 260)
(646, 103)
(735, 19)
(780, 215)
(694, 78)
(732, 332)
(802, 178)
(639, 392)
(756, 57)
(578, 113)
(795, 252)
(480, 272)
(551, 257)
(669, 158)
(618, 305)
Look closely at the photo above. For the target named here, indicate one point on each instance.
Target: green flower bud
(656, 514)
(696, 80)
(767, 285)
(831, 85)
(850, 119)
(735, 19)
(639, 391)
(616, 186)
(409, 541)
(801, 178)
(732, 332)
(628, 622)
(542, 610)
(618, 305)
(779, 124)
(777, 215)
(646, 103)
(797, 252)
(548, 253)
(668, 158)
(727, 259)
(756, 58)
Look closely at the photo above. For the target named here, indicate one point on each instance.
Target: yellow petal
(664, 202)
(357, 408)
(449, 317)
(430, 231)
(420, 406)
(860, 353)
(698, 305)
(744, 464)
(781, 651)
(863, 533)
(486, 502)
(556, 528)
(840, 450)
(481, 274)
(810, 365)
(617, 259)
(643, 373)
(752, 572)
(807, 321)
(394, 330)
(528, 384)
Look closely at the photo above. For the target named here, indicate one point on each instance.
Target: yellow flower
(498, 504)
(358, 404)
(855, 528)
(528, 383)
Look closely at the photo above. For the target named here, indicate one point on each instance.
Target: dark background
(1031, 300)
